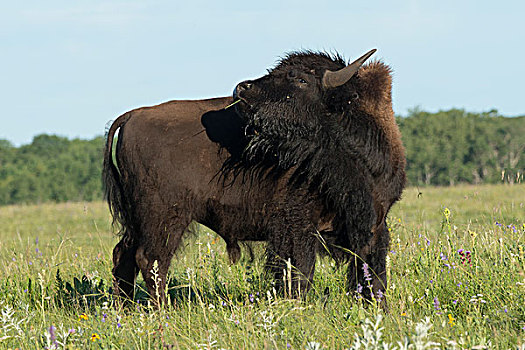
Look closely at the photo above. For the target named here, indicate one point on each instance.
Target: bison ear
(375, 88)
(340, 77)
(226, 128)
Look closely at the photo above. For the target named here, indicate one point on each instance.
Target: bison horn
(338, 78)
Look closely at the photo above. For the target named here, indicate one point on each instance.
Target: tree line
(51, 168)
(443, 148)
(455, 146)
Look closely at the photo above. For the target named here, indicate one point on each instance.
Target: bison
(309, 159)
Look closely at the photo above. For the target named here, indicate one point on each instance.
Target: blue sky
(68, 67)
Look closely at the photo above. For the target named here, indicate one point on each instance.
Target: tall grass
(456, 272)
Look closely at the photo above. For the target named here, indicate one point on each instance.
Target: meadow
(456, 280)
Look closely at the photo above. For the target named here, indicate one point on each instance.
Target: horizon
(89, 138)
(103, 134)
(69, 68)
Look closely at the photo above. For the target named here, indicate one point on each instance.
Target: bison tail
(113, 191)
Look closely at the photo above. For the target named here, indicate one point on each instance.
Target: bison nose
(245, 85)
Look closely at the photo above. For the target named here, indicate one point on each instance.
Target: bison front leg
(377, 261)
(304, 255)
(291, 254)
(371, 279)
(125, 269)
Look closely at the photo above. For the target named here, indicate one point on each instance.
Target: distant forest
(444, 148)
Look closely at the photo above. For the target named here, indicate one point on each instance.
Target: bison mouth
(244, 111)
(247, 110)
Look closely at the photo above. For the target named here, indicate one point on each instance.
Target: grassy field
(456, 272)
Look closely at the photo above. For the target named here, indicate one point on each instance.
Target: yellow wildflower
(95, 337)
(404, 314)
(83, 317)
(451, 320)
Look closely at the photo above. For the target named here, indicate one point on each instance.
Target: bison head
(295, 96)
(297, 107)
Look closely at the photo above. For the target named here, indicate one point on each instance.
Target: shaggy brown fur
(344, 147)
(309, 161)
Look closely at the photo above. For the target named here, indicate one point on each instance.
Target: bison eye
(302, 81)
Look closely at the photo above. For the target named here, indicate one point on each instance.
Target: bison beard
(313, 159)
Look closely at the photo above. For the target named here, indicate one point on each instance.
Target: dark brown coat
(168, 175)
(301, 178)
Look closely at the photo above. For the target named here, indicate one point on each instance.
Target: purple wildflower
(366, 272)
(104, 316)
(251, 298)
(119, 325)
(36, 240)
(359, 288)
(455, 301)
(52, 335)
(71, 331)
(379, 295)
(436, 305)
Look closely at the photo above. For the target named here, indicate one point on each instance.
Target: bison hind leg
(153, 257)
(154, 267)
(125, 269)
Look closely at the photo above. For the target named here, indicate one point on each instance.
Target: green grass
(434, 295)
